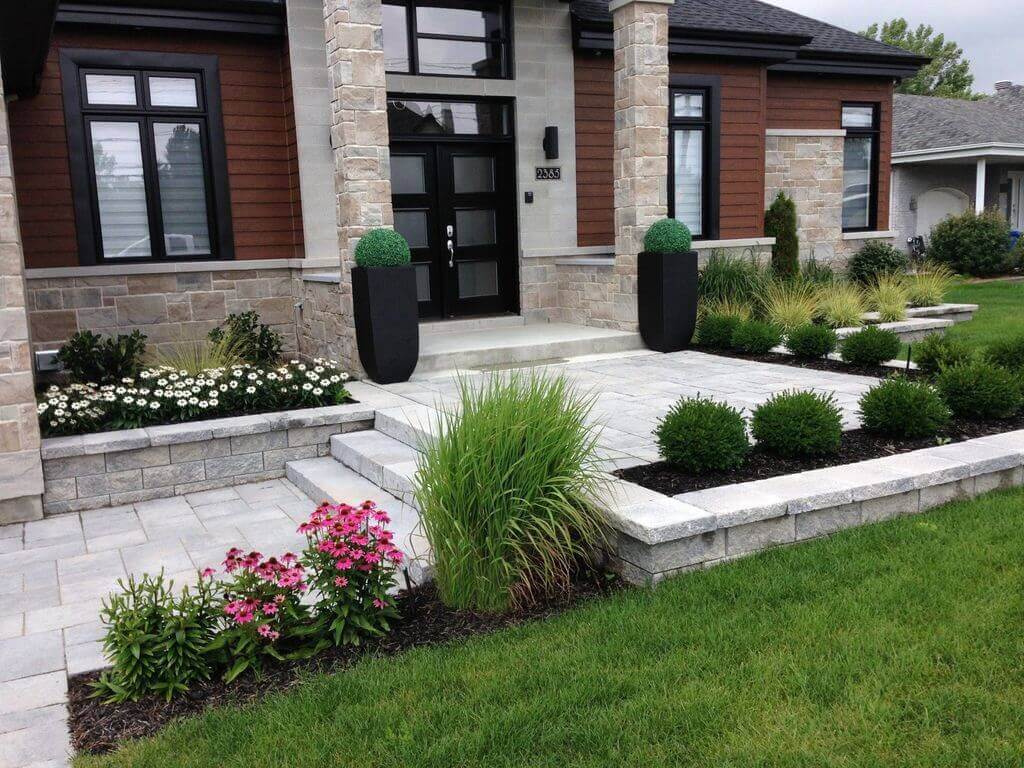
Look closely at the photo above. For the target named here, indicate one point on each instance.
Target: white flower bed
(164, 395)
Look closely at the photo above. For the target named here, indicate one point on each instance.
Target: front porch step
(433, 327)
(519, 345)
(384, 461)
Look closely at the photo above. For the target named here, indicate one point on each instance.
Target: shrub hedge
(901, 408)
(798, 424)
(701, 435)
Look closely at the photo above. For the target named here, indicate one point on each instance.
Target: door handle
(451, 254)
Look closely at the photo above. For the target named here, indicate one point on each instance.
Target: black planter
(387, 321)
(667, 299)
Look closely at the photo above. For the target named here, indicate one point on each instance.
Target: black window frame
(874, 133)
(75, 64)
(710, 86)
(413, 35)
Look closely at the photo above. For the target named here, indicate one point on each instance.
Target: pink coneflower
(207, 573)
(341, 581)
(378, 603)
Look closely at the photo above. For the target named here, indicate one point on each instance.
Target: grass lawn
(897, 644)
(1000, 313)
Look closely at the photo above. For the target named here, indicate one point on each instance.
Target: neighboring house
(177, 160)
(951, 155)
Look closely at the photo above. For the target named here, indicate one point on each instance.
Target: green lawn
(1000, 313)
(897, 644)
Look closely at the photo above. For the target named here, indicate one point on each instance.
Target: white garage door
(937, 204)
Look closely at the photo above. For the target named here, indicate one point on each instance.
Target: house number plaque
(549, 174)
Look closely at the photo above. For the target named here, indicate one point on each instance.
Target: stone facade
(587, 292)
(641, 139)
(21, 478)
(168, 307)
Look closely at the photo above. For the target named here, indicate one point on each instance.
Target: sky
(989, 31)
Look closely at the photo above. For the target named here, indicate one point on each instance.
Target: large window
(693, 153)
(461, 38)
(860, 167)
(147, 157)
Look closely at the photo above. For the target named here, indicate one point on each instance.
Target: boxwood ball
(382, 248)
(668, 236)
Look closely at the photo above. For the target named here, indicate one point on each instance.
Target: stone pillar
(359, 137)
(641, 137)
(21, 467)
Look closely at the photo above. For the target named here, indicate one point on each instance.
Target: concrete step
(463, 325)
(514, 346)
(412, 425)
(911, 329)
(384, 461)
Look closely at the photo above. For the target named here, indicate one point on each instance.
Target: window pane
(459, 57)
(422, 282)
(120, 189)
(858, 117)
(466, 22)
(116, 90)
(857, 182)
(179, 159)
(475, 228)
(473, 174)
(412, 225)
(688, 169)
(478, 278)
(173, 92)
(396, 38)
(482, 118)
(407, 176)
(688, 105)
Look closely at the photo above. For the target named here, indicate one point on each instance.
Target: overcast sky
(989, 31)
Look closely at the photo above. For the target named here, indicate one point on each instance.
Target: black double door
(455, 204)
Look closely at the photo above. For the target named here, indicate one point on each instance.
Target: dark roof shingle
(926, 122)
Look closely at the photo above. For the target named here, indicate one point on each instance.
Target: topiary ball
(901, 408)
(382, 248)
(794, 424)
(700, 435)
(668, 236)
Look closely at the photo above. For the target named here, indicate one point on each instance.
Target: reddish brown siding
(741, 193)
(259, 138)
(807, 101)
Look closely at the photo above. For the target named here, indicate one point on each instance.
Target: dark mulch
(97, 727)
(820, 364)
(857, 445)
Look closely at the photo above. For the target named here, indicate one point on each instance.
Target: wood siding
(741, 190)
(259, 139)
(808, 101)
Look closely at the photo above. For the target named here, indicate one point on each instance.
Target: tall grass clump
(731, 278)
(200, 355)
(930, 285)
(788, 304)
(888, 296)
(841, 305)
(507, 491)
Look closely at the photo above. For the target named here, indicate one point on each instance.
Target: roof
(923, 123)
(814, 39)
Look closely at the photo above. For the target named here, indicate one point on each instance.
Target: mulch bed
(857, 445)
(820, 364)
(97, 727)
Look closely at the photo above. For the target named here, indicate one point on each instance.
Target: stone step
(515, 346)
(412, 425)
(384, 461)
(911, 329)
(432, 327)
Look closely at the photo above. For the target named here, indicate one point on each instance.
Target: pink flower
(378, 603)
(341, 581)
(207, 573)
(270, 608)
(267, 632)
(343, 565)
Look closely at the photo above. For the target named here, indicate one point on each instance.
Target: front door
(455, 204)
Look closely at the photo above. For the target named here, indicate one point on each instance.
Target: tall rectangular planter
(387, 321)
(667, 299)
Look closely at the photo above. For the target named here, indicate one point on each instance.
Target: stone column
(359, 137)
(21, 467)
(641, 137)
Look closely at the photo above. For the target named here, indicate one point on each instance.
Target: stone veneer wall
(322, 330)
(21, 479)
(167, 307)
(810, 170)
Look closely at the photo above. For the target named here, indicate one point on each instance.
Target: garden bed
(857, 445)
(97, 727)
(817, 364)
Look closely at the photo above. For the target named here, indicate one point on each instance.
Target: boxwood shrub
(715, 331)
(753, 337)
(874, 259)
(812, 341)
(701, 435)
(938, 351)
(382, 248)
(799, 424)
(668, 236)
(972, 243)
(980, 390)
(870, 346)
(901, 408)
(1009, 353)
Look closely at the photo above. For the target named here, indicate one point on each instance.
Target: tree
(947, 75)
(780, 223)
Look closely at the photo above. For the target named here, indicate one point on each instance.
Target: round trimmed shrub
(874, 259)
(382, 248)
(715, 331)
(1009, 353)
(753, 337)
(937, 351)
(971, 243)
(668, 236)
(701, 435)
(980, 390)
(812, 341)
(870, 346)
(901, 408)
(795, 424)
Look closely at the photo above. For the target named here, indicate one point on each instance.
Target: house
(951, 155)
(172, 161)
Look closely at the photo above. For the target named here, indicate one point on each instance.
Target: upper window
(464, 38)
(144, 142)
(693, 119)
(860, 167)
